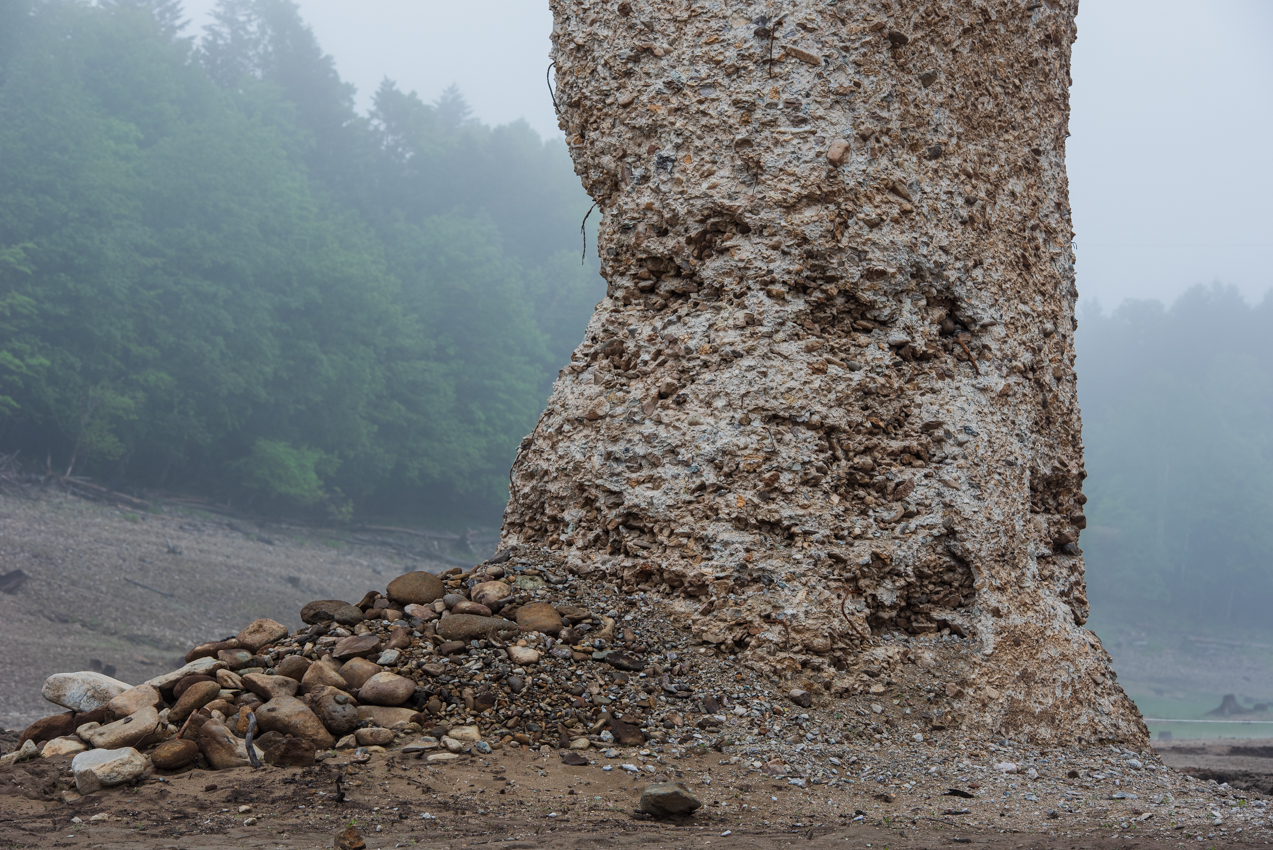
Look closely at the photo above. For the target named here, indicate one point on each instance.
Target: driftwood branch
(247, 740)
(89, 490)
(148, 587)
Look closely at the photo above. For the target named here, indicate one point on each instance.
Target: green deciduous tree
(218, 276)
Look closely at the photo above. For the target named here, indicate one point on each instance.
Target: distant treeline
(216, 275)
(1178, 424)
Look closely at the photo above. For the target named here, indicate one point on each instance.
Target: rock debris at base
(616, 687)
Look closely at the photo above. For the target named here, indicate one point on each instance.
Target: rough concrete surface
(831, 391)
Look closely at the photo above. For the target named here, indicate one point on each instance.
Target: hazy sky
(1170, 158)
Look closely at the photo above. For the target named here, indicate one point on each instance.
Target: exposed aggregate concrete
(830, 393)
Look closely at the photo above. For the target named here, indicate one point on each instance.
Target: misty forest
(218, 278)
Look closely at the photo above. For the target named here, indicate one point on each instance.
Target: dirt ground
(1245, 763)
(103, 584)
(511, 799)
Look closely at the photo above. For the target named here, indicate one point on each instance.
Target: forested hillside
(1178, 425)
(217, 276)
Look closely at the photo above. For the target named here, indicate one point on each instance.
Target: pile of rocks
(516, 654)
(438, 665)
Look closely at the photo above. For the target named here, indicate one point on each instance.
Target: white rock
(135, 699)
(466, 733)
(28, 750)
(452, 744)
(439, 757)
(98, 769)
(204, 666)
(126, 732)
(63, 747)
(83, 691)
(523, 655)
(1006, 767)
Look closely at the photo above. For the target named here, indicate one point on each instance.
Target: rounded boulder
(327, 610)
(464, 606)
(356, 646)
(82, 691)
(664, 799)
(135, 699)
(260, 634)
(321, 676)
(174, 754)
(386, 689)
(467, 627)
(195, 697)
(523, 655)
(539, 617)
(492, 594)
(182, 686)
(336, 711)
(374, 736)
(290, 752)
(290, 716)
(294, 667)
(48, 728)
(67, 746)
(417, 588)
(356, 672)
(126, 732)
(98, 769)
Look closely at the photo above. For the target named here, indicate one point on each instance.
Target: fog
(496, 51)
(1172, 113)
(225, 274)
